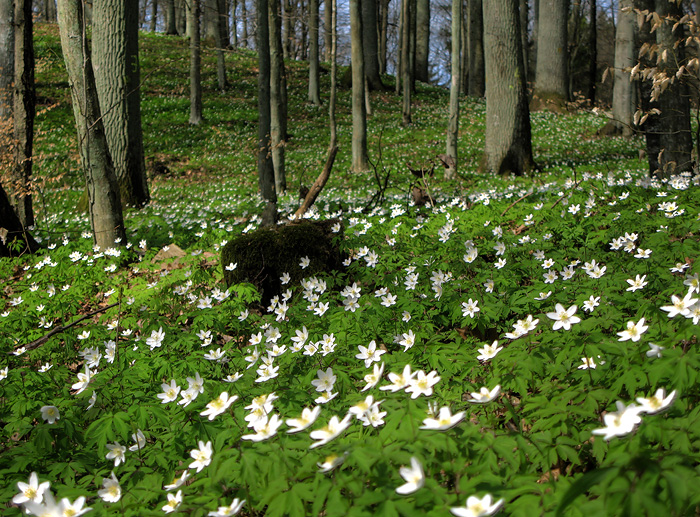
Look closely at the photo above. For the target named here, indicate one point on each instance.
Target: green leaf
(583, 484)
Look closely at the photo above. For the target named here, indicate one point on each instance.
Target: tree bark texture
(370, 43)
(508, 146)
(477, 86)
(244, 15)
(266, 172)
(195, 64)
(327, 23)
(334, 75)
(7, 60)
(314, 89)
(383, 33)
(287, 28)
(24, 110)
(552, 84)
(406, 62)
(170, 19)
(234, 23)
(624, 91)
(221, 41)
(422, 70)
(278, 109)
(453, 118)
(360, 161)
(154, 16)
(117, 77)
(524, 24)
(102, 185)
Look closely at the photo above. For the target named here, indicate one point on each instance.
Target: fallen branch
(38, 342)
(516, 202)
(318, 185)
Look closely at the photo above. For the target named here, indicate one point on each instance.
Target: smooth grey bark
(287, 28)
(406, 62)
(524, 24)
(195, 64)
(453, 118)
(278, 87)
(477, 74)
(422, 70)
(360, 161)
(7, 60)
(154, 15)
(327, 29)
(266, 172)
(624, 92)
(115, 57)
(383, 33)
(244, 16)
(224, 33)
(221, 42)
(508, 146)
(314, 89)
(464, 63)
(210, 20)
(24, 110)
(334, 74)
(370, 44)
(181, 17)
(104, 200)
(234, 23)
(50, 11)
(552, 83)
(170, 18)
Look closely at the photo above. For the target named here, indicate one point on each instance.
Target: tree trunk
(277, 98)
(287, 28)
(181, 17)
(383, 33)
(593, 48)
(552, 84)
(221, 43)
(314, 89)
(453, 119)
(244, 16)
(24, 110)
(234, 23)
(407, 68)
(154, 15)
(224, 33)
(7, 61)
(50, 11)
(334, 74)
(669, 139)
(195, 65)
(508, 142)
(524, 25)
(266, 172)
(464, 63)
(102, 185)
(360, 161)
(117, 78)
(422, 72)
(327, 28)
(624, 93)
(14, 239)
(209, 20)
(477, 75)
(302, 47)
(370, 44)
(170, 19)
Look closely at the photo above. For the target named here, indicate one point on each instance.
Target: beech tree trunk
(266, 172)
(524, 24)
(195, 64)
(552, 83)
(7, 61)
(278, 86)
(170, 18)
(117, 78)
(221, 42)
(477, 85)
(244, 15)
(234, 23)
(24, 110)
(422, 71)
(508, 137)
(593, 48)
(327, 29)
(314, 89)
(406, 62)
(370, 44)
(360, 161)
(334, 74)
(383, 33)
(102, 185)
(453, 119)
(154, 15)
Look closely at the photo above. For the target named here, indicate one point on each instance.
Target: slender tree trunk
(102, 185)
(593, 48)
(234, 22)
(244, 15)
(277, 98)
(314, 89)
(552, 84)
(302, 47)
(7, 60)
(117, 78)
(50, 11)
(195, 65)
(170, 18)
(360, 161)
(524, 24)
(287, 28)
(24, 110)
(334, 74)
(154, 15)
(464, 64)
(221, 43)
(453, 119)
(508, 138)
(181, 17)
(327, 23)
(399, 53)
(407, 69)
(370, 43)
(624, 92)
(266, 172)
(422, 40)
(477, 86)
(224, 33)
(383, 33)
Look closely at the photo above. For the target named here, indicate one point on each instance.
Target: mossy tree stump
(265, 254)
